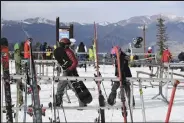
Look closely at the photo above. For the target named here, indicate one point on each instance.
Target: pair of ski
(122, 89)
(101, 98)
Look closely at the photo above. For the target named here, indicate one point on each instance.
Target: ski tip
(4, 42)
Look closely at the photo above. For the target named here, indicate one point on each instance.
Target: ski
(6, 78)
(27, 83)
(101, 97)
(171, 101)
(122, 90)
(35, 91)
(18, 69)
(52, 105)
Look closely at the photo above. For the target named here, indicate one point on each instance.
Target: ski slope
(155, 109)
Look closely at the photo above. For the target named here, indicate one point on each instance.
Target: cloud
(88, 11)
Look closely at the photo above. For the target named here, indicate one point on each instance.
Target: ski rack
(107, 107)
(168, 67)
(131, 79)
(175, 65)
(88, 53)
(177, 74)
(54, 61)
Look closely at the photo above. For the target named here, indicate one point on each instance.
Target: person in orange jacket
(166, 59)
(27, 50)
(166, 56)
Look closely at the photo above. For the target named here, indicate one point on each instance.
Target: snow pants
(116, 85)
(62, 84)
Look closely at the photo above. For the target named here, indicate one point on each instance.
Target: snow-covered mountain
(135, 19)
(151, 19)
(120, 33)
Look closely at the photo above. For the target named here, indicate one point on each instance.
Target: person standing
(82, 50)
(27, 50)
(69, 63)
(125, 71)
(149, 56)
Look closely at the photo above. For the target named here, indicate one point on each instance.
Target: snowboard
(82, 91)
(6, 79)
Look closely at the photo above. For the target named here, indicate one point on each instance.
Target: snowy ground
(156, 109)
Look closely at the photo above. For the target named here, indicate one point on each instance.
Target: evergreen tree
(162, 37)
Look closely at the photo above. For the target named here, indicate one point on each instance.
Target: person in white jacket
(72, 46)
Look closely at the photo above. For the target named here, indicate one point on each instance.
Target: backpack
(81, 48)
(62, 58)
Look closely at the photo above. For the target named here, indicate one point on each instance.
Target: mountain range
(119, 33)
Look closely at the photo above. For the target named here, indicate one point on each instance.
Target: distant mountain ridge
(119, 33)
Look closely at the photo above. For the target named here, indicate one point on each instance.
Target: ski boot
(112, 98)
(81, 104)
(58, 103)
(30, 111)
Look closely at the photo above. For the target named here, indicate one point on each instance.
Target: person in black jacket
(125, 72)
(181, 59)
(83, 50)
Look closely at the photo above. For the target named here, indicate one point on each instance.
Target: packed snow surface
(155, 109)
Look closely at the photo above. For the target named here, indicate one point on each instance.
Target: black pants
(126, 86)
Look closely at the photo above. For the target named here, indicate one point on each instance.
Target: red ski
(171, 101)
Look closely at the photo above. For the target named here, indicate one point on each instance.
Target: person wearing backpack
(125, 72)
(27, 50)
(81, 49)
(67, 60)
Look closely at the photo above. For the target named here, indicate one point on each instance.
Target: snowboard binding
(30, 110)
(29, 89)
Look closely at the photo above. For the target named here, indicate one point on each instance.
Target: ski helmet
(114, 50)
(65, 41)
(149, 48)
(30, 39)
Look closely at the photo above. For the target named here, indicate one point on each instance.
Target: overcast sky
(86, 11)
